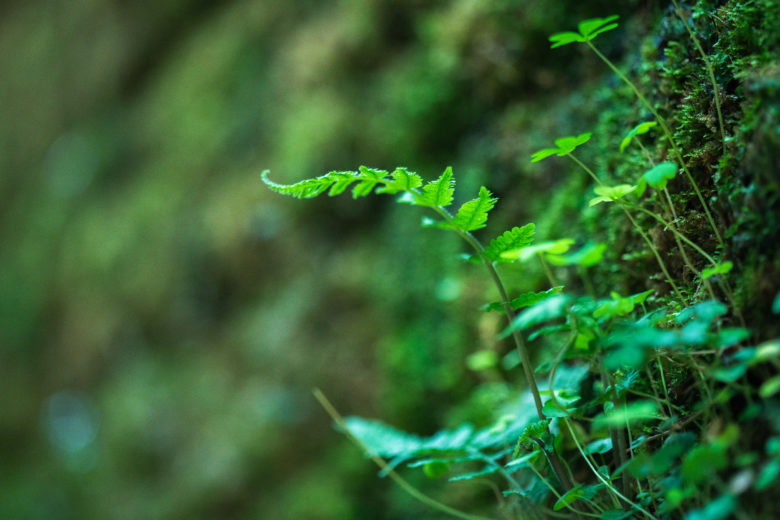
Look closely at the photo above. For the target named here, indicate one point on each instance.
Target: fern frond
(473, 214)
(515, 238)
(403, 180)
(438, 193)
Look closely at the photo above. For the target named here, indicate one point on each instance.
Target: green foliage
(640, 129)
(512, 240)
(588, 29)
(611, 193)
(563, 146)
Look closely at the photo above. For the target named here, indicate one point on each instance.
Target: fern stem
(667, 133)
(402, 483)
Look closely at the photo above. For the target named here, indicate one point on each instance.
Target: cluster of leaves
(639, 401)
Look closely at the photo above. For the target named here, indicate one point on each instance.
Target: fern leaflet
(438, 193)
(515, 238)
(473, 214)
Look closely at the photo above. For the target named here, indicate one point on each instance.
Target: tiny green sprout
(588, 30)
(564, 146)
(721, 268)
(657, 177)
(640, 129)
(611, 193)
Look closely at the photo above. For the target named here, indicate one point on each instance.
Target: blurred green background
(164, 317)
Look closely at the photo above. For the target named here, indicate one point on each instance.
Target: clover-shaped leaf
(657, 176)
(564, 146)
(721, 268)
(588, 29)
(611, 193)
(641, 128)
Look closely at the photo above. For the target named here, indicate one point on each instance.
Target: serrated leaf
(402, 181)
(473, 214)
(564, 38)
(525, 299)
(515, 238)
(438, 193)
(721, 268)
(611, 193)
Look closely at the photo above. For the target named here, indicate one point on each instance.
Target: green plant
(634, 397)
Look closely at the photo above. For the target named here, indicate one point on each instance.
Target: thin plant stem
(601, 478)
(638, 228)
(708, 66)
(402, 483)
(667, 133)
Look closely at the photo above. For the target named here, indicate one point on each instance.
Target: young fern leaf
(473, 214)
(515, 238)
(438, 193)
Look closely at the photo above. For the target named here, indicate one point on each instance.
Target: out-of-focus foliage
(163, 316)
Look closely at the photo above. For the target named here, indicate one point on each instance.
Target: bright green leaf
(611, 193)
(569, 497)
(438, 193)
(482, 360)
(473, 214)
(515, 238)
(659, 175)
(769, 387)
(554, 247)
(564, 38)
(588, 255)
(619, 416)
(641, 128)
(722, 268)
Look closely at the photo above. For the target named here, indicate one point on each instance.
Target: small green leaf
(719, 509)
(590, 28)
(659, 175)
(588, 255)
(515, 238)
(611, 193)
(564, 38)
(543, 154)
(564, 146)
(617, 306)
(525, 299)
(569, 497)
(554, 247)
(552, 307)
(436, 469)
(619, 416)
(721, 268)
(553, 409)
(473, 214)
(599, 446)
(769, 387)
(438, 193)
(482, 360)
(702, 462)
(641, 128)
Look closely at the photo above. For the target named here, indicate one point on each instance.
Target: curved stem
(708, 66)
(667, 133)
(402, 483)
(601, 478)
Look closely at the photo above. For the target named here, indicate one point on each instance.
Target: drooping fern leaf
(515, 238)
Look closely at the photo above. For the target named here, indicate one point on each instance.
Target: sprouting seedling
(437, 195)
(563, 146)
(589, 29)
